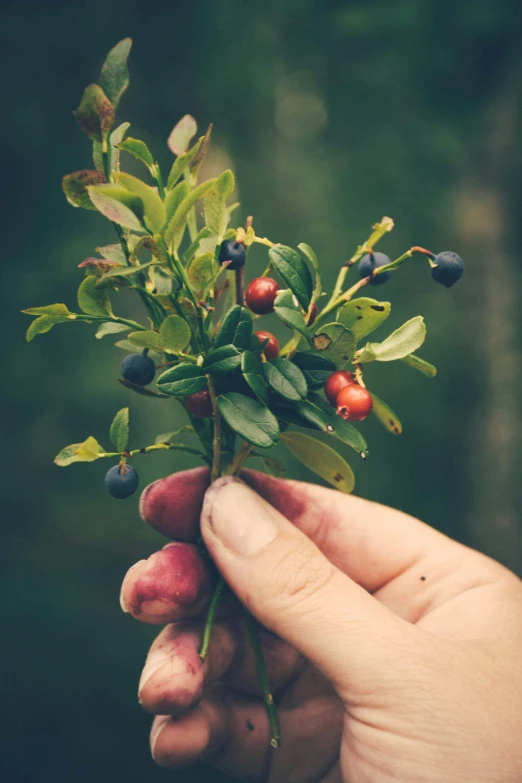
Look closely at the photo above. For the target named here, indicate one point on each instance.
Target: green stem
(115, 318)
(157, 447)
(268, 699)
(211, 615)
(216, 444)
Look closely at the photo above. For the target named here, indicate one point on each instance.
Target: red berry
(337, 381)
(260, 295)
(354, 402)
(313, 314)
(199, 404)
(271, 349)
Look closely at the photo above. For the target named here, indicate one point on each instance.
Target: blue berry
(138, 368)
(372, 261)
(448, 269)
(234, 252)
(121, 482)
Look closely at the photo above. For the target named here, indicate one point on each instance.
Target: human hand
(394, 653)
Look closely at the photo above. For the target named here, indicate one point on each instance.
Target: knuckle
(301, 577)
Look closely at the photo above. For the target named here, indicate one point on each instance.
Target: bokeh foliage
(332, 114)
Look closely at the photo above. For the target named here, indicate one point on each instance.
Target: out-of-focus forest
(332, 114)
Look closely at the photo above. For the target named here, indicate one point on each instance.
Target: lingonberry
(448, 269)
(260, 295)
(354, 402)
(337, 381)
(121, 481)
(271, 349)
(372, 261)
(138, 368)
(199, 404)
(232, 251)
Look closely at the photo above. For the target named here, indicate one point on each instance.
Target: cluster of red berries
(353, 402)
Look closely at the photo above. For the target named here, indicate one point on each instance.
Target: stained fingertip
(171, 584)
(173, 675)
(172, 505)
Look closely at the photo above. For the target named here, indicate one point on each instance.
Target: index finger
(371, 543)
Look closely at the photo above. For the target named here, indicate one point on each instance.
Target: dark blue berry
(121, 482)
(138, 368)
(372, 261)
(234, 252)
(448, 269)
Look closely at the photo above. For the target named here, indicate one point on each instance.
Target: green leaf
(180, 136)
(125, 271)
(115, 139)
(402, 342)
(118, 204)
(119, 431)
(249, 419)
(176, 225)
(235, 329)
(110, 327)
(216, 214)
(42, 325)
(142, 390)
(222, 360)
(174, 334)
(201, 154)
(146, 339)
(174, 199)
(336, 342)
(113, 253)
(139, 150)
(308, 253)
(286, 379)
(182, 380)
(165, 437)
(420, 364)
(290, 313)
(56, 310)
(182, 162)
(95, 114)
(154, 208)
(93, 300)
(294, 272)
(128, 347)
(323, 416)
(315, 368)
(193, 248)
(156, 251)
(114, 76)
(252, 369)
(273, 467)
(386, 416)
(75, 187)
(363, 315)
(88, 451)
(202, 272)
(321, 459)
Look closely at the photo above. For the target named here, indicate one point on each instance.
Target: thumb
(295, 591)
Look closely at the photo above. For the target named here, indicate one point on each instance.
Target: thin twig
(268, 699)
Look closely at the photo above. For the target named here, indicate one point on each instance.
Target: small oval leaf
(252, 370)
(174, 334)
(182, 380)
(363, 315)
(321, 459)
(235, 329)
(119, 431)
(286, 379)
(315, 368)
(386, 416)
(336, 342)
(294, 272)
(93, 300)
(250, 419)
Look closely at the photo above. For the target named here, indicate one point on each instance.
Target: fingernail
(240, 519)
(158, 726)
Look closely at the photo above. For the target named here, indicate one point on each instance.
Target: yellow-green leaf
(95, 114)
(174, 334)
(153, 206)
(119, 431)
(88, 451)
(321, 459)
(386, 416)
(93, 300)
(118, 204)
(180, 136)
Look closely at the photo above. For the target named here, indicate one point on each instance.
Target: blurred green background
(332, 114)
